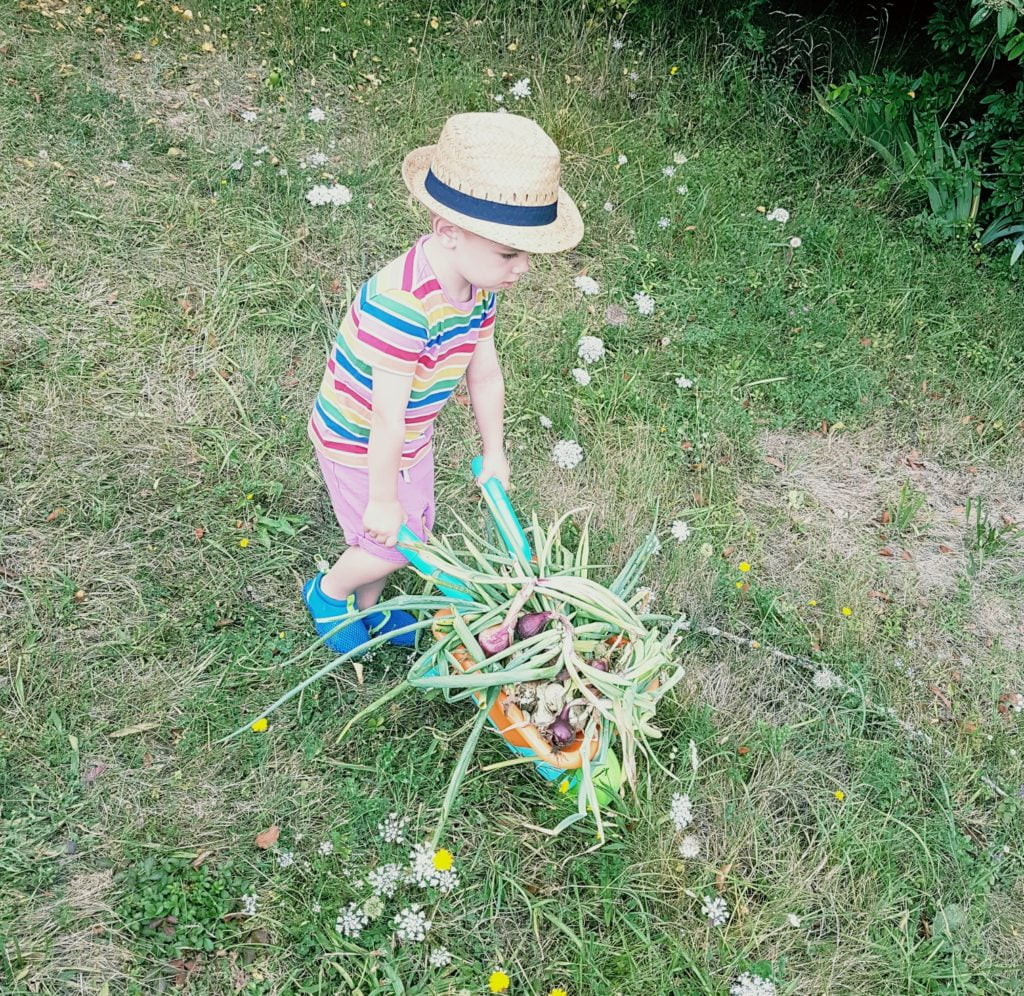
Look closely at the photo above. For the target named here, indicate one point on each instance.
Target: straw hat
(496, 175)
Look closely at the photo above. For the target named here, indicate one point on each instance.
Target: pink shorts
(349, 488)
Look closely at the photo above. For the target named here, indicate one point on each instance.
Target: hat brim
(563, 233)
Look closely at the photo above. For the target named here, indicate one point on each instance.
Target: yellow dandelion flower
(673, 71)
(563, 786)
(244, 542)
(260, 726)
(250, 496)
(498, 982)
(813, 602)
(558, 992)
(839, 794)
(744, 566)
(847, 611)
(443, 860)
(739, 584)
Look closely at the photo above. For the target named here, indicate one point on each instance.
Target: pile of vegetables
(585, 663)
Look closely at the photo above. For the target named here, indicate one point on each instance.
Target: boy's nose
(522, 265)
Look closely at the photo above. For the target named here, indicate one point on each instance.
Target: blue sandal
(327, 613)
(388, 621)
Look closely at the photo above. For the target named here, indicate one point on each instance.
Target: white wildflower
(682, 190)
(567, 453)
(285, 859)
(644, 303)
(825, 680)
(237, 165)
(248, 116)
(249, 904)
(316, 115)
(385, 880)
(795, 243)
(665, 340)
(392, 828)
(411, 924)
(581, 376)
(752, 985)
(125, 165)
(679, 159)
(590, 349)
(609, 207)
(351, 921)
(684, 382)
(716, 910)
(326, 847)
(694, 761)
(499, 98)
(663, 223)
(545, 422)
(587, 285)
(689, 847)
(780, 215)
(681, 811)
(316, 159)
(633, 77)
(521, 88)
(421, 870)
(283, 171)
(669, 171)
(618, 44)
(258, 162)
(440, 957)
(315, 907)
(337, 194)
(793, 920)
(446, 881)
(680, 531)
(622, 159)
(261, 151)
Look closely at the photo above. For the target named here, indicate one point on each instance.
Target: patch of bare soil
(832, 500)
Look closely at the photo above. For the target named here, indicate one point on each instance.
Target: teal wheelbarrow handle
(511, 532)
(444, 582)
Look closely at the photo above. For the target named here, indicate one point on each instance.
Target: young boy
(492, 186)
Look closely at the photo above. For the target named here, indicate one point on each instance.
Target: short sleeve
(391, 330)
(487, 322)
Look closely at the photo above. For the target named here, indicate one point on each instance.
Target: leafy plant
(985, 539)
(173, 907)
(903, 511)
(487, 591)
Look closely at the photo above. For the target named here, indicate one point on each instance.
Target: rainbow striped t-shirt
(401, 321)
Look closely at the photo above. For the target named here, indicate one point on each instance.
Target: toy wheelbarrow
(562, 766)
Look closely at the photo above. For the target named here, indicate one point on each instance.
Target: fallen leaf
(222, 623)
(79, 596)
(199, 532)
(130, 730)
(268, 838)
(38, 283)
(775, 462)
(742, 751)
(880, 595)
(885, 552)
(53, 515)
(885, 518)
(941, 696)
(200, 858)
(94, 772)
(335, 287)
(945, 549)
(728, 551)
(720, 876)
(905, 555)
(913, 460)
(970, 727)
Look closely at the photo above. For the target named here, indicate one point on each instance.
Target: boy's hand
(382, 520)
(495, 465)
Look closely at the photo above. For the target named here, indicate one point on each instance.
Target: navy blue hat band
(524, 216)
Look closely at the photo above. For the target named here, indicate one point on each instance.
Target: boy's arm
(384, 515)
(487, 394)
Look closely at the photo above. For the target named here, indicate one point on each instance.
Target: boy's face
(488, 264)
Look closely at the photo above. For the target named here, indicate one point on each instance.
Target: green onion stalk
(475, 652)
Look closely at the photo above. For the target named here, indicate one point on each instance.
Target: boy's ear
(447, 232)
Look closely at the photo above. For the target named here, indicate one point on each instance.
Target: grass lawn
(823, 412)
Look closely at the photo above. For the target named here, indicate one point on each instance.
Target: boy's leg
(358, 571)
